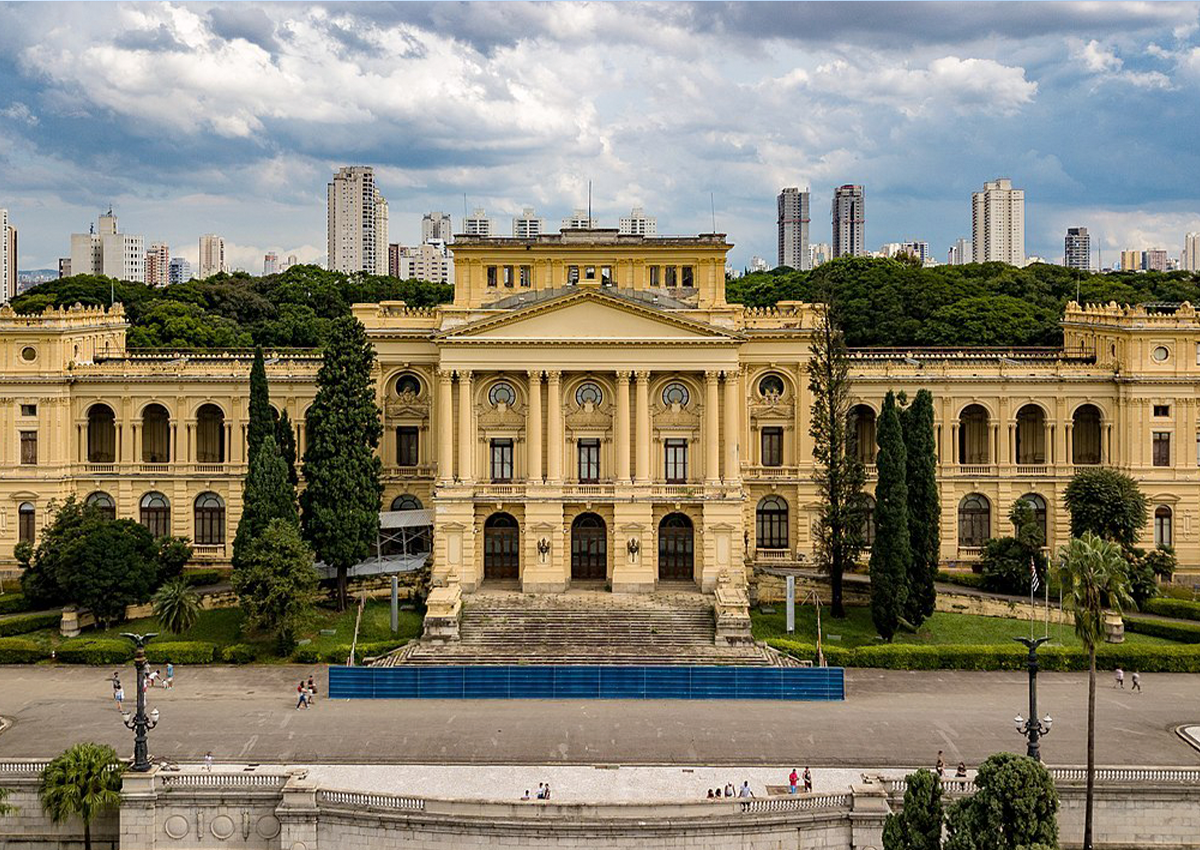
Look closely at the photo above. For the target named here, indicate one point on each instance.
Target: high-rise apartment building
(357, 221)
(527, 225)
(158, 261)
(1154, 260)
(818, 253)
(918, 249)
(638, 223)
(960, 252)
(998, 223)
(179, 270)
(792, 225)
(1131, 260)
(477, 223)
(849, 221)
(270, 263)
(580, 219)
(8, 258)
(1189, 260)
(105, 250)
(1077, 249)
(758, 264)
(212, 256)
(428, 261)
(436, 225)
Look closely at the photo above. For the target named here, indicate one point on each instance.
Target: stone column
(733, 404)
(228, 453)
(712, 428)
(445, 426)
(954, 459)
(994, 448)
(1048, 442)
(642, 467)
(1069, 443)
(466, 429)
(621, 437)
(554, 427)
(533, 426)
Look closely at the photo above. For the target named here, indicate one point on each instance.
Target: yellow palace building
(591, 408)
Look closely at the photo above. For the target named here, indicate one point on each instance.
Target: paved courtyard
(890, 718)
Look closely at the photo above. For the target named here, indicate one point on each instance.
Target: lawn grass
(942, 628)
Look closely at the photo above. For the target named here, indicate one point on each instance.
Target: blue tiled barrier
(586, 682)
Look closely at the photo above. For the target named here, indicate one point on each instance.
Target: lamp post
(1033, 729)
(139, 722)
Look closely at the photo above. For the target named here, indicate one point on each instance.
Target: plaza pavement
(890, 718)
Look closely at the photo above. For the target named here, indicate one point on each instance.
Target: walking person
(940, 767)
(302, 701)
(312, 690)
(793, 778)
(1137, 683)
(807, 781)
(170, 682)
(119, 695)
(541, 792)
(547, 797)
(745, 792)
(116, 686)
(208, 760)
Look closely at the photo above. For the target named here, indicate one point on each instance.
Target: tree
(1094, 577)
(6, 808)
(1015, 806)
(918, 826)
(924, 507)
(1006, 561)
(267, 495)
(83, 782)
(176, 606)
(276, 582)
(838, 472)
(891, 553)
(1107, 503)
(340, 503)
(285, 438)
(262, 417)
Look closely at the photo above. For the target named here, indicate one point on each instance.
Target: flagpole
(1032, 590)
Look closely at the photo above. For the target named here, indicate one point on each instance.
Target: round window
(1160, 353)
(771, 386)
(502, 393)
(675, 393)
(588, 393)
(409, 384)
(28, 353)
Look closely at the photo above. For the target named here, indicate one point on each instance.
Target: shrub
(203, 578)
(29, 623)
(238, 653)
(20, 651)
(1181, 609)
(95, 651)
(180, 652)
(306, 655)
(14, 602)
(1181, 632)
(963, 579)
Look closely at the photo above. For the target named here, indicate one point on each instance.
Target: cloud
(1104, 62)
(18, 111)
(1098, 59)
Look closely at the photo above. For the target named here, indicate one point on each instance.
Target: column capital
(733, 374)
(444, 374)
(464, 374)
(642, 376)
(712, 375)
(622, 376)
(553, 375)
(534, 374)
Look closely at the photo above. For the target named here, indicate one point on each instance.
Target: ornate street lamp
(139, 722)
(1033, 729)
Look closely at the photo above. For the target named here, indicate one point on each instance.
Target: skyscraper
(1077, 249)
(1155, 260)
(105, 250)
(527, 225)
(849, 221)
(1131, 260)
(792, 225)
(158, 260)
(270, 263)
(477, 223)
(818, 253)
(1190, 259)
(179, 270)
(357, 220)
(8, 258)
(436, 225)
(212, 256)
(998, 223)
(638, 223)
(960, 252)
(579, 219)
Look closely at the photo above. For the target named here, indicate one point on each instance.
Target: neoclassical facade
(590, 408)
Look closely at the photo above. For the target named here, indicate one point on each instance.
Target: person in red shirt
(793, 778)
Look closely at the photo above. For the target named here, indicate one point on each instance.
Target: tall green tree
(1094, 577)
(1015, 807)
(340, 502)
(1007, 562)
(924, 507)
(267, 495)
(918, 826)
(285, 438)
(891, 553)
(276, 582)
(1107, 503)
(838, 472)
(83, 782)
(262, 417)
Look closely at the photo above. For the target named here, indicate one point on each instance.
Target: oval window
(588, 393)
(1160, 353)
(408, 384)
(502, 393)
(28, 353)
(675, 393)
(771, 386)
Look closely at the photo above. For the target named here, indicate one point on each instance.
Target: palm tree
(1094, 577)
(6, 808)
(84, 781)
(177, 606)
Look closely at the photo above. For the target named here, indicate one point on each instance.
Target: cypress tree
(891, 553)
(924, 507)
(267, 495)
(285, 438)
(340, 502)
(262, 418)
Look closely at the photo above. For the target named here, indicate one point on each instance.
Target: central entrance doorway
(589, 547)
(501, 547)
(676, 550)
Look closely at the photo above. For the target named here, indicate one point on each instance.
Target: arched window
(770, 386)
(1039, 513)
(861, 434)
(1163, 533)
(501, 547)
(868, 526)
(1085, 436)
(771, 523)
(973, 436)
(210, 434)
(103, 503)
(26, 522)
(675, 393)
(156, 434)
(156, 514)
(676, 548)
(1031, 435)
(210, 520)
(406, 502)
(101, 434)
(502, 393)
(589, 547)
(974, 520)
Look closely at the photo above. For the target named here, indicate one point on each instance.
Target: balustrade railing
(794, 802)
(374, 801)
(223, 780)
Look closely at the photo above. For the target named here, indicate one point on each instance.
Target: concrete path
(890, 718)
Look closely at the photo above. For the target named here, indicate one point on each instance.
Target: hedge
(1145, 659)
(20, 651)
(1181, 632)
(238, 653)
(374, 649)
(203, 578)
(95, 651)
(29, 623)
(963, 579)
(180, 652)
(14, 602)
(1179, 608)
(306, 655)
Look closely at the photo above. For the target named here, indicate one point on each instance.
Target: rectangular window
(1162, 410)
(654, 281)
(29, 448)
(26, 523)
(572, 275)
(491, 275)
(1162, 448)
(589, 272)
(676, 458)
(29, 410)
(408, 445)
(508, 276)
(772, 447)
(689, 279)
(526, 276)
(589, 460)
(502, 460)
(606, 276)
(672, 277)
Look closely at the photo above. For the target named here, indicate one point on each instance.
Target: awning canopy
(384, 566)
(406, 519)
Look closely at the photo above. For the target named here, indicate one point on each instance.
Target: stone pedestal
(138, 817)
(732, 611)
(868, 811)
(443, 609)
(1114, 627)
(297, 814)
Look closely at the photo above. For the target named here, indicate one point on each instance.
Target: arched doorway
(1085, 436)
(156, 434)
(973, 437)
(589, 547)
(501, 547)
(676, 549)
(860, 434)
(210, 434)
(1031, 435)
(101, 434)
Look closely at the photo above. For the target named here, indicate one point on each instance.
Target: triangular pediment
(587, 315)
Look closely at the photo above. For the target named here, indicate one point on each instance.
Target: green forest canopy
(878, 302)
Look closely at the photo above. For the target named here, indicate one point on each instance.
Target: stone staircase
(584, 628)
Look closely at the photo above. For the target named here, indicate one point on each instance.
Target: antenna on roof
(712, 204)
(589, 203)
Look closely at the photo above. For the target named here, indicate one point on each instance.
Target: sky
(230, 118)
